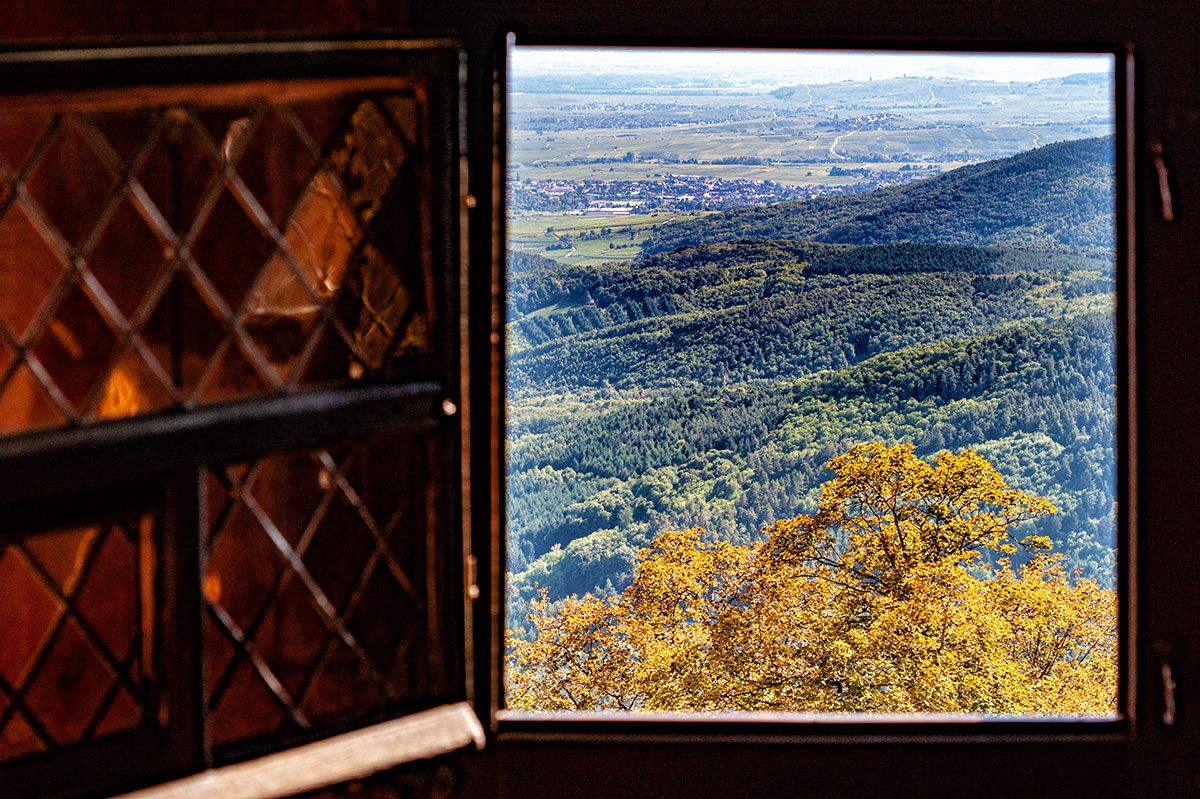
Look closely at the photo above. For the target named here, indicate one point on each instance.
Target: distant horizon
(774, 68)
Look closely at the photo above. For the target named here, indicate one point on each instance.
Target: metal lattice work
(75, 660)
(167, 256)
(325, 579)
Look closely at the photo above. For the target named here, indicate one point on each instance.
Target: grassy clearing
(787, 174)
(626, 233)
(977, 121)
(799, 175)
(745, 139)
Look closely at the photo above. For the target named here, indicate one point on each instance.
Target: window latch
(1164, 181)
(1168, 689)
(472, 577)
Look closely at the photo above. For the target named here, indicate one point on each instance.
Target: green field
(763, 139)
(531, 153)
(946, 122)
(787, 174)
(528, 232)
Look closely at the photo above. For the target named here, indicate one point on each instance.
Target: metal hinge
(1168, 689)
(1167, 676)
(1166, 203)
(472, 577)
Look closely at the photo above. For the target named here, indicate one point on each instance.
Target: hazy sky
(770, 68)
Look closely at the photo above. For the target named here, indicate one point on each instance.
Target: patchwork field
(809, 129)
(577, 238)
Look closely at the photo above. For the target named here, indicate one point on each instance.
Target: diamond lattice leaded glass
(204, 249)
(76, 610)
(326, 572)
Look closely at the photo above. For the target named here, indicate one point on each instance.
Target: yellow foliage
(897, 595)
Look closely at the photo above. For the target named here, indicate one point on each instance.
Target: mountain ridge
(1057, 195)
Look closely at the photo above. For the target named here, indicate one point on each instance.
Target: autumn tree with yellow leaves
(898, 595)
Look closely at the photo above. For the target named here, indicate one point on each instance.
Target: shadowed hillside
(1060, 194)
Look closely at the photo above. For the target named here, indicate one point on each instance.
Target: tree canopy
(899, 594)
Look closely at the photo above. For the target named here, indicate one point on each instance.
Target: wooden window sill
(351, 756)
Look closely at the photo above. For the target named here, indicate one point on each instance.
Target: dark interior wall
(23, 21)
(1163, 34)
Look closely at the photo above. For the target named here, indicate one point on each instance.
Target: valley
(683, 367)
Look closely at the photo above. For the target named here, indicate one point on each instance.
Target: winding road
(833, 147)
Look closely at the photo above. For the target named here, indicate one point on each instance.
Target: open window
(813, 370)
(231, 449)
(546, 751)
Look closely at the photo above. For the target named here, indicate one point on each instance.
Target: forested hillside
(1058, 194)
(898, 594)
(707, 384)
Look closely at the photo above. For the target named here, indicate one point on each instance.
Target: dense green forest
(707, 383)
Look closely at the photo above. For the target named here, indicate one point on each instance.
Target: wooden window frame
(157, 462)
(799, 727)
(668, 756)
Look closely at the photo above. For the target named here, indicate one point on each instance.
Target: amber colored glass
(167, 256)
(324, 571)
(76, 661)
